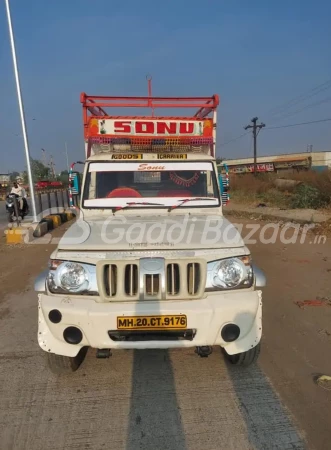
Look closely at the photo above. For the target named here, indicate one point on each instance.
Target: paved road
(172, 400)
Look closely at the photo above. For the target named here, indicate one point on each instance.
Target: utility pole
(52, 166)
(43, 157)
(255, 127)
(149, 85)
(21, 108)
(67, 156)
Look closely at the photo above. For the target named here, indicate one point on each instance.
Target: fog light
(230, 332)
(72, 335)
(55, 316)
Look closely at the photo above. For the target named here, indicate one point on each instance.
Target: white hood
(133, 232)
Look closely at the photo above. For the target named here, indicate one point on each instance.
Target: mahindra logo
(157, 127)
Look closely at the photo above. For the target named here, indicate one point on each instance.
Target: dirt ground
(162, 400)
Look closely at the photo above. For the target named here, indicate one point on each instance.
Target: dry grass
(313, 192)
(318, 180)
(250, 184)
(249, 189)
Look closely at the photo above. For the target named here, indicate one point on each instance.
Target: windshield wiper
(189, 199)
(129, 204)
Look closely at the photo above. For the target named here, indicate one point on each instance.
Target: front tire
(245, 359)
(9, 217)
(59, 364)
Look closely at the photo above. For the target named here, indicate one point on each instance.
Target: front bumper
(207, 316)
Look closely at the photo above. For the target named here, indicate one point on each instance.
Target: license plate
(151, 322)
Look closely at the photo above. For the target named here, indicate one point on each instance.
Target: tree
(63, 177)
(14, 175)
(39, 171)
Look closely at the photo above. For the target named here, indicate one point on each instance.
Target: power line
(232, 140)
(311, 105)
(284, 110)
(298, 99)
(294, 101)
(297, 124)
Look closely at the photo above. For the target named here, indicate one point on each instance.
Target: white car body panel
(207, 315)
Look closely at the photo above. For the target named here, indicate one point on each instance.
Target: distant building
(275, 163)
(4, 179)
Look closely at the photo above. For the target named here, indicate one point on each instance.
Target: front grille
(151, 279)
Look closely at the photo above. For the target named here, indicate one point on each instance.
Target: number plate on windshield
(151, 322)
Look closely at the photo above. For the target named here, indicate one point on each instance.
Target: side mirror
(74, 183)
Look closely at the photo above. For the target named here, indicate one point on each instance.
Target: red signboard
(157, 127)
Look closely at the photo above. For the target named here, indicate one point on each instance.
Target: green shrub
(305, 196)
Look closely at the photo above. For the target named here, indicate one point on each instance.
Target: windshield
(162, 184)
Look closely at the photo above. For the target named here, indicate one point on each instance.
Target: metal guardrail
(5, 191)
(55, 198)
(58, 198)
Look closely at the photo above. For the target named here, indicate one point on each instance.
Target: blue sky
(255, 55)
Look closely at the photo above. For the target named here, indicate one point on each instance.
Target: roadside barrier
(51, 222)
(17, 234)
(4, 192)
(56, 213)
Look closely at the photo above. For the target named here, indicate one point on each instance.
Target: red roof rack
(102, 125)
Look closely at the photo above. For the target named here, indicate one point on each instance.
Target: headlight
(229, 273)
(67, 277)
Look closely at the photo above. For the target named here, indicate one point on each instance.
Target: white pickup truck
(150, 261)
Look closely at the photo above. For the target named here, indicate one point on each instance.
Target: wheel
(246, 358)
(9, 217)
(59, 364)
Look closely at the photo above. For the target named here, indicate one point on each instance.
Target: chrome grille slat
(131, 280)
(173, 279)
(152, 284)
(193, 278)
(110, 280)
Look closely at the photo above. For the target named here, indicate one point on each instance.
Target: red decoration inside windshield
(183, 181)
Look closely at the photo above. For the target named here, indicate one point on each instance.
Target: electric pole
(43, 157)
(52, 167)
(255, 127)
(67, 156)
(22, 114)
